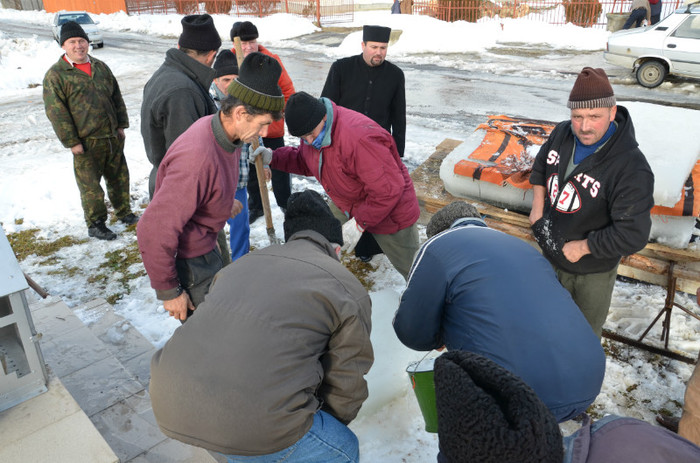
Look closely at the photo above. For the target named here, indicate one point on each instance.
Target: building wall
(91, 6)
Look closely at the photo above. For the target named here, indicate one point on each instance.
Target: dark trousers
(196, 274)
(636, 16)
(281, 181)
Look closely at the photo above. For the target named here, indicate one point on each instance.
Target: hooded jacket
(477, 289)
(359, 168)
(283, 332)
(175, 96)
(606, 199)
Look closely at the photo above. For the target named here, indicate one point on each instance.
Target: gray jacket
(175, 96)
(283, 332)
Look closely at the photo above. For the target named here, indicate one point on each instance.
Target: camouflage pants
(103, 157)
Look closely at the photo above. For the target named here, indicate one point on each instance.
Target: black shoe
(254, 214)
(129, 219)
(364, 258)
(100, 231)
(668, 422)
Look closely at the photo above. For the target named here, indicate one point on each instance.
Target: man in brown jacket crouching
(272, 363)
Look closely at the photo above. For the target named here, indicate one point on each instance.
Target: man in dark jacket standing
(370, 85)
(178, 92)
(85, 106)
(358, 166)
(273, 366)
(477, 289)
(593, 190)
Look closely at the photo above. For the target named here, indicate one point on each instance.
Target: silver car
(85, 21)
(671, 46)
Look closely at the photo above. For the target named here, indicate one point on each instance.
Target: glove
(351, 235)
(266, 154)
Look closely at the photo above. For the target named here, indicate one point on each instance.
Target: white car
(85, 21)
(671, 46)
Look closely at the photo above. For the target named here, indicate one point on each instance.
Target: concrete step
(104, 364)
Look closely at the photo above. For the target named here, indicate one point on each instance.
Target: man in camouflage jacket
(85, 107)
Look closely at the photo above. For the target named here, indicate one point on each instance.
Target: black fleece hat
(226, 64)
(246, 30)
(303, 113)
(256, 84)
(199, 33)
(488, 414)
(376, 34)
(71, 29)
(307, 210)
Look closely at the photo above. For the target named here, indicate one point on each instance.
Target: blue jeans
(636, 17)
(239, 228)
(328, 441)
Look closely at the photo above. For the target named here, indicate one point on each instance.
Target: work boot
(100, 231)
(668, 422)
(129, 219)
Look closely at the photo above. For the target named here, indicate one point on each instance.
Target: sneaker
(100, 231)
(668, 422)
(129, 219)
(254, 214)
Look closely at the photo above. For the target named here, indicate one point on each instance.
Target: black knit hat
(307, 210)
(256, 84)
(246, 30)
(488, 414)
(199, 33)
(592, 89)
(445, 217)
(71, 29)
(303, 113)
(225, 64)
(376, 34)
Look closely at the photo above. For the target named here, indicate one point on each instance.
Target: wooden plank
(650, 264)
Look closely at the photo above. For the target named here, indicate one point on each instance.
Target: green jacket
(80, 106)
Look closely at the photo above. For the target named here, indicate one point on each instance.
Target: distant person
(639, 11)
(177, 94)
(356, 162)
(196, 186)
(480, 290)
(593, 191)
(370, 85)
(281, 181)
(86, 109)
(655, 7)
(271, 368)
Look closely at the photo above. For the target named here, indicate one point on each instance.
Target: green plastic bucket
(421, 376)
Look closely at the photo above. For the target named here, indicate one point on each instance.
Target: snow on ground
(38, 191)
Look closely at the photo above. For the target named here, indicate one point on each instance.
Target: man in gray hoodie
(272, 363)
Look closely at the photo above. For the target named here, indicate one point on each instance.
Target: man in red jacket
(357, 163)
(281, 181)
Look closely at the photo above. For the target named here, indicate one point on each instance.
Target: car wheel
(651, 73)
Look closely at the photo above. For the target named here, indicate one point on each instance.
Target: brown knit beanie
(591, 90)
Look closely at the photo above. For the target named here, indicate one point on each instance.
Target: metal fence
(585, 13)
(325, 12)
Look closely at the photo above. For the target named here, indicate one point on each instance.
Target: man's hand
(575, 250)
(77, 149)
(120, 134)
(237, 208)
(266, 154)
(351, 235)
(268, 173)
(178, 307)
